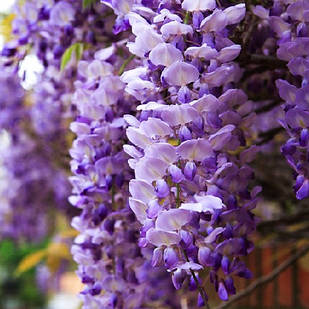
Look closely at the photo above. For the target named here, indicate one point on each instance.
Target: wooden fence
(289, 290)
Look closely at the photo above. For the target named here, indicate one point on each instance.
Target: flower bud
(190, 170)
(157, 257)
(170, 258)
(304, 137)
(162, 188)
(225, 264)
(222, 292)
(184, 134)
(184, 95)
(176, 173)
(178, 278)
(229, 284)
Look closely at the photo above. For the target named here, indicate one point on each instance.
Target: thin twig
(271, 62)
(267, 107)
(186, 20)
(199, 287)
(269, 135)
(267, 278)
(125, 63)
(219, 3)
(301, 216)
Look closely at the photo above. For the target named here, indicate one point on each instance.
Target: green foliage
(54, 254)
(6, 26)
(21, 291)
(125, 63)
(30, 260)
(88, 3)
(76, 49)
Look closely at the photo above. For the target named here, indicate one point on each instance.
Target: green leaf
(30, 261)
(6, 26)
(66, 57)
(77, 49)
(7, 251)
(125, 63)
(88, 3)
(56, 252)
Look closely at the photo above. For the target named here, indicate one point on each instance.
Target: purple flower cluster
(291, 24)
(11, 101)
(35, 188)
(167, 120)
(31, 184)
(50, 27)
(190, 153)
(111, 264)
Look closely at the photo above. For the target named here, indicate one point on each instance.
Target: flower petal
(180, 74)
(138, 138)
(229, 53)
(150, 169)
(198, 5)
(206, 52)
(195, 149)
(165, 54)
(214, 22)
(176, 115)
(220, 138)
(235, 13)
(172, 219)
(175, 28)
(160, 238)
(139, 209)
(154, 127)
(163, 151)
(141, 190)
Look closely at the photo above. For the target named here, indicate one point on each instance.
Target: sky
(5, 5)
(31, 63)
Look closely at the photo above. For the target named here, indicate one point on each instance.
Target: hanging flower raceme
(35, 184)
(43, 115)
(190, 150)
(51, 27)
(110, 262)
(165, 136)
(57, 32)
(291, 24)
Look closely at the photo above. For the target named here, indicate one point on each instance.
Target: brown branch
(199, 287)
(256, 63)
(267, 108)
(294, 235)
(302, 216)
(267, 278)
(269, 135)
(270, 61)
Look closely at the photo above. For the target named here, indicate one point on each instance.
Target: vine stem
(186, 20)
(113, 192)
(267, 278)
(178, 196)
(125, 63)
(199, 287)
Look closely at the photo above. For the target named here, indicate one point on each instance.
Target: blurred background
(38, 274)
(41, 273)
